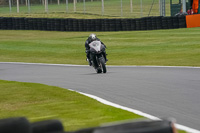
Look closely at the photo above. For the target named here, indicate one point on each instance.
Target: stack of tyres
(9, 23)
(133, 24)
(62, 25)
(112, 25)
(138, 24)
(44, 23)
(182, 21)
(164, 23)
(128, 24)
(17, 23)
(4, 23)
(84, 24)
(57, 24)
(154, 24)
(123, 22)
(30, 23)
(98, 25)
(118, 25)
(1, 23)
(66, 24)
(143, 23)
(13, 23)
(89, 25)
(80, 25)
(107, 24)
(93, 25)
(170, 23)
(39, 22)
(49, 24)
(54, 24)
(103, 25)
(149, 23)
(21, 24)
(26, 26)
(159, 22)
(175, 22)
(34, 22)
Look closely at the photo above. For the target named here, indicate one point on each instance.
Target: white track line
(178, 126)
(181, 127)
(71, 65)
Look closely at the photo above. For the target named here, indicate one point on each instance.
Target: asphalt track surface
(159, 91)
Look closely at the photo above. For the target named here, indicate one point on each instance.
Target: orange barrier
(193, 20)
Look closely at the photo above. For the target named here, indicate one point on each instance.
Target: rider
(91, 38)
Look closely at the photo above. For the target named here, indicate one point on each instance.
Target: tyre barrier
(23, 125)
(52, 24)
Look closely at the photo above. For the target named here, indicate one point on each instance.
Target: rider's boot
(89, 62)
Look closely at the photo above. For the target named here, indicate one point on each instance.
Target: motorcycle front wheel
(103, 65)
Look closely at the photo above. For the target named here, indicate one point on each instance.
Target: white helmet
(92, 37)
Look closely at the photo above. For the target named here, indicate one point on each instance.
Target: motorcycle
(97, 57)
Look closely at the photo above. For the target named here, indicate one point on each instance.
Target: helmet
(92, 37)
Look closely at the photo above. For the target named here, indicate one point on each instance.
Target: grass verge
(40, 102)
(177, 47)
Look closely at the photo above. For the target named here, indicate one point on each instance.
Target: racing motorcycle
(97, 58)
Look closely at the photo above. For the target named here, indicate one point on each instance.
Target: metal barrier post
(102, 7)
(10, 6)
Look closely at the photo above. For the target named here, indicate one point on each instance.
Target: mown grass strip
(40, 102)
(176, 47)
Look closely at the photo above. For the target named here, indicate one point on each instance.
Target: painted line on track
(178, 126)
(71, 65)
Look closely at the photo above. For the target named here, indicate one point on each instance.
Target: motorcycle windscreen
(95, 46)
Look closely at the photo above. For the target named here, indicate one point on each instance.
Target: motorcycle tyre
(98, 70)
(103, 65)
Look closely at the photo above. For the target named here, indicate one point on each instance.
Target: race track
(158, 91)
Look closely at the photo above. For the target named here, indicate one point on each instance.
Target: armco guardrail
(48, 24)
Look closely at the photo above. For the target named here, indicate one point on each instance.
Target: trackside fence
(47, 24)
(116, 8)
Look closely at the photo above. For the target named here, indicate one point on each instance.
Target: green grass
(112, 8)
(179, 47)
(39, 102)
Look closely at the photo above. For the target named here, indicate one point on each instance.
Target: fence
(117, 8)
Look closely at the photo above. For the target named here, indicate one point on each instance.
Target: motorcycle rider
(92, 37)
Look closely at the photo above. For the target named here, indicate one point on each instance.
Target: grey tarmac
(159, 91)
